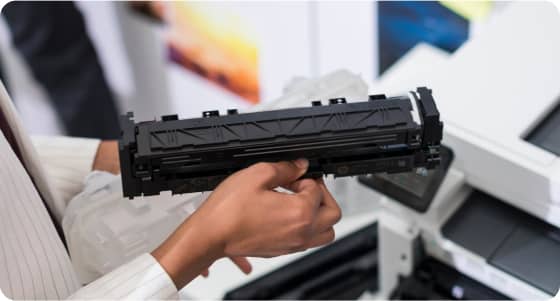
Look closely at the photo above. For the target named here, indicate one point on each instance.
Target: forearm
(188, 252)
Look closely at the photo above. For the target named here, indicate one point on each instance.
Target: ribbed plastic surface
(339, 138)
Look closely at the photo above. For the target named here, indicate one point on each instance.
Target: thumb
(272, 175)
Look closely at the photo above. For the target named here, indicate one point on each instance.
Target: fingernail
(301, 163)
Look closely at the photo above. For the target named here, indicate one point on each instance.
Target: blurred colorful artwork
(216, 44)
(403, 24)
(470, 10)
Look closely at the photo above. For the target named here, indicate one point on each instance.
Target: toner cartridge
(382, 134)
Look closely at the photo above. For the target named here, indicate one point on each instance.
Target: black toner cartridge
(383, 134)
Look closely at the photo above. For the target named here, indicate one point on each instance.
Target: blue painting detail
(403, 24)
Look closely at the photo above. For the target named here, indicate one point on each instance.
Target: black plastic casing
(338, 138)
(342, 270)
(399, 187)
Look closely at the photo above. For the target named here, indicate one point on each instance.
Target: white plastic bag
(104, 230)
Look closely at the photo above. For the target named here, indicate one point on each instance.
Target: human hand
(256, 220)
(245, 216)
(107, 157)
(241, 262)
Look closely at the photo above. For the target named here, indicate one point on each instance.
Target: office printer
(493, 211)
(486, 224)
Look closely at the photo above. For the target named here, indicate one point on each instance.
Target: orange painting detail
(215, 44)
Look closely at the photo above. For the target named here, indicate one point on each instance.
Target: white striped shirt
(35, 264)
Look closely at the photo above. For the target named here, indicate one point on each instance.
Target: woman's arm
(244, 216)
(141, 279)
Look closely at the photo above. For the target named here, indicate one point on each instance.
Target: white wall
(295, 39)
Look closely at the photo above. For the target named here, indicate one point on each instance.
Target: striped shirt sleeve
(142, 278)
(66, 161)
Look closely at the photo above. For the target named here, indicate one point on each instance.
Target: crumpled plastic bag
(105, 230)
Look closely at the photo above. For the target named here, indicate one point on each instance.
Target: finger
(242, 263)
(328, 199)
(205, 273)
(325, 219)
(307, 190)
(329, 212)
(272, 175)
(321, 239)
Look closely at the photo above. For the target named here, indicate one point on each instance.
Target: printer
(492, 211)
(486, 223)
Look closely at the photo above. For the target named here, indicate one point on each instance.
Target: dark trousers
(2, 78)
(52, 38)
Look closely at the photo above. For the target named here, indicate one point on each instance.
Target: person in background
(2, 79)
(53, 41)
